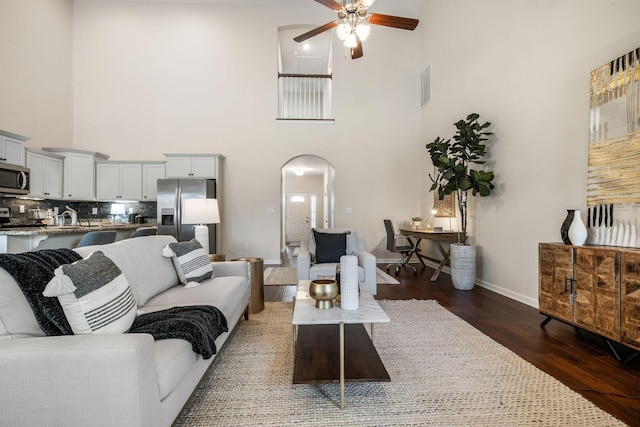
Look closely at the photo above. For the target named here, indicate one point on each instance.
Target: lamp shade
(200, 211)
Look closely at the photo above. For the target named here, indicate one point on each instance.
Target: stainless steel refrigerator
(171, 196)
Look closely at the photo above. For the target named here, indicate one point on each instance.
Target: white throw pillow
(94, 294)
(191, 262)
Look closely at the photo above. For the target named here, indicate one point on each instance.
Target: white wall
(524, 66)
(154, 78)
(36, 72)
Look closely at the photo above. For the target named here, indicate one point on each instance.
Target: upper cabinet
(118, 181)
(193, 165)
(12, 148)
(151, 173)
(46, 174)
(79, 172)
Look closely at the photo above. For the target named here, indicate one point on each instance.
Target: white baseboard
(487, 285)
(508, 293)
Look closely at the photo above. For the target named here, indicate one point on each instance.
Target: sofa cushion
(95, 295)
(329, 246)
(190, 260)
(174, 359)
(142, 263)
(16, 317)
(225, 293)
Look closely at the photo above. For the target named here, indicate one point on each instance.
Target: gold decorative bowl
(323, 291)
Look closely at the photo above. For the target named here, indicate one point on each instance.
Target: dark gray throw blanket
(200, 325)
(32, 271)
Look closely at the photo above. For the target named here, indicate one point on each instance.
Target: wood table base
(317, 357)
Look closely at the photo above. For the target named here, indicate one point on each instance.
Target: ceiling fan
(353, 24)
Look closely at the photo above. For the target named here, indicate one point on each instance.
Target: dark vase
(564, 230)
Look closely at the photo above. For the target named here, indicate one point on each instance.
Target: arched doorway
(307, 197)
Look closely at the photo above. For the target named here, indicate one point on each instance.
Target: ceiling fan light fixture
(353, 25)
(351, 41)
(343, 30)
(363, 29)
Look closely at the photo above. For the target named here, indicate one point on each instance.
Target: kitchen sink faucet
(72, 214)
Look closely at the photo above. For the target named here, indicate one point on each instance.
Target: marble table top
(306, 313)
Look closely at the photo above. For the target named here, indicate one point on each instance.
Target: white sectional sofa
(111, 379)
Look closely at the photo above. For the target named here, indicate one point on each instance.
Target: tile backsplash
(146, 209)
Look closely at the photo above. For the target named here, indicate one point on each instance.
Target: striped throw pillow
(191, 262)
(94, 294)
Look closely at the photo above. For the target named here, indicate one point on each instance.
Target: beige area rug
(289, 276)
(444, 372)
(280, 276)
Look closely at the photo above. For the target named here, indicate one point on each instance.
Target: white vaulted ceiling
(407, 8)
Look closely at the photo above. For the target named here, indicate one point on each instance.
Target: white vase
(577, 230)
(463, 266)
(349, 284)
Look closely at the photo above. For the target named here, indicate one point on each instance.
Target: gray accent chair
(309, 269)
(144, 231)
(97, 238)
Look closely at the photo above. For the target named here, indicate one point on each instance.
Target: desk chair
(97, 238)
(406, 250)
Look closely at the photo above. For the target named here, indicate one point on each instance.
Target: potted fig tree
(453, 161)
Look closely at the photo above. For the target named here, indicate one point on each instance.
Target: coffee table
(315, 344)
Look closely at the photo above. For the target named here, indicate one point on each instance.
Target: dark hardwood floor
(578, 359)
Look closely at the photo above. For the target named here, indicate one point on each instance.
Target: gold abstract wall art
(446, 208)
(614, 134)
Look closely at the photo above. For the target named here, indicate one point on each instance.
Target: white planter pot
(463, 266)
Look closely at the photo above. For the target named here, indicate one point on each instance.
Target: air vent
(425, 86)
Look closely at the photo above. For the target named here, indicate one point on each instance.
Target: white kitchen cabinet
(118, 181)
(193, 165)
(79, 172)
(46, 174)
(151, 173)
(12, 148)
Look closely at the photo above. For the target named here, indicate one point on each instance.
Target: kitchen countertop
(67, 229)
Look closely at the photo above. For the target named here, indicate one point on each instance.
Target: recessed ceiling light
(306, 46)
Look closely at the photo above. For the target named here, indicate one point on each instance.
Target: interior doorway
(307, 197)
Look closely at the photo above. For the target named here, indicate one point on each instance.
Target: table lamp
(201, 212)
(439, 211)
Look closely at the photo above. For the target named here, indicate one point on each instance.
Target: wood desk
(437, 237)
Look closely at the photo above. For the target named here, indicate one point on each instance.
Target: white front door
(297, 221)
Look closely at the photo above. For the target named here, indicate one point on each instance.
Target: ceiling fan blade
(393, 21)
(331, 4)
(356, 52)
(316, 31)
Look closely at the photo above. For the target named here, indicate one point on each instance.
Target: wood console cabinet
(596, 288)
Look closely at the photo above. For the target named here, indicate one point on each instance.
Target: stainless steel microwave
(14, 179)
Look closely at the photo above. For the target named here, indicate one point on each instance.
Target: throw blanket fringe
(198, 324)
